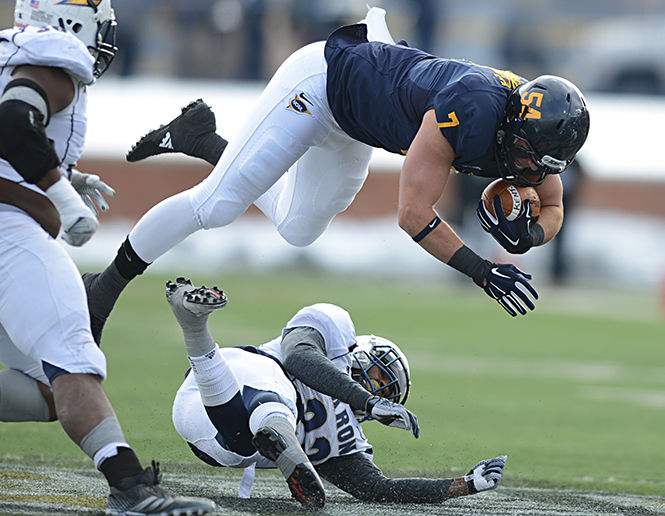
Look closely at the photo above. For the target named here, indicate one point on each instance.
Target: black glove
(517, 236)
(392, 414)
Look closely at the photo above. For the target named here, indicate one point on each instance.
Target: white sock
(217, 383)
(270, 410)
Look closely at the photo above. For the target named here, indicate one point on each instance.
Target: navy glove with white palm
(514, 236)
(485, 475)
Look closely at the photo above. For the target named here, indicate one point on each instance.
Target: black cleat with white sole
(141, 496)
(301, 477)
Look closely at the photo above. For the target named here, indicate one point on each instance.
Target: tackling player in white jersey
(296, 403)
(55, 371)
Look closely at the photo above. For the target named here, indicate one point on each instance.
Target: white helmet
(376, 351)
(91, 21)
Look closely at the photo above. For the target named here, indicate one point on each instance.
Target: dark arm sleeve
(358, 475)
(304, 358)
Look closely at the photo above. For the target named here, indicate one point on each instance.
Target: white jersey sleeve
(328, 427)
(49, 47)
(332, 322)
(46, 46)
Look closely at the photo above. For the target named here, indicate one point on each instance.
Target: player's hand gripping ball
(508, 213)
(512, 199)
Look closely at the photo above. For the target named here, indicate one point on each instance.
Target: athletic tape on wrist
(428, 229)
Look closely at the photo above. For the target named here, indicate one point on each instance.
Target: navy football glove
(507, 284)
(485, 475)
(514, 236)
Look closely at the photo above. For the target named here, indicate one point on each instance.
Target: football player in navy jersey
(320, 117)
(57, 49)
(297, 401)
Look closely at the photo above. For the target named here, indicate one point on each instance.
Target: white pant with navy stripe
(43, 306)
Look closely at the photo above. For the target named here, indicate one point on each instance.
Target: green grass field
(574, 393)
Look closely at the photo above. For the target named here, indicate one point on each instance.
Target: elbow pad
(24, 114)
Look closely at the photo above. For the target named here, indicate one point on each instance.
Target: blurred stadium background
(174, 51)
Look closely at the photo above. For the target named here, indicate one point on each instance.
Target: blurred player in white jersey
(296, 403)
(55, 370)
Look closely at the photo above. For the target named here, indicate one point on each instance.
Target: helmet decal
(527, 100)
(84, 3)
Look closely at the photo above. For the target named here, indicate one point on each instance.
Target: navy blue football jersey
(379, 93)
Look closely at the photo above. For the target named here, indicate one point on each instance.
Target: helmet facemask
(383, 354)
(106, 49)
(513, 147)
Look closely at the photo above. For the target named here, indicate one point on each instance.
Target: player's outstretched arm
(360, 477)
(422, 181)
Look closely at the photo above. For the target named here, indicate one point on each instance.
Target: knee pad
(297, 235)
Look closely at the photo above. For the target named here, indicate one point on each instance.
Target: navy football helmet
(546, 121)
(376, 351)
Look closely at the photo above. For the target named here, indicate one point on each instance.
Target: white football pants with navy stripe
(43, 306)
(290, 159)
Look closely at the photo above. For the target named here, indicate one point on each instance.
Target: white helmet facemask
(91, 21)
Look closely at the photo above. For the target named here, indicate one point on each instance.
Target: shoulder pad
(332, 322)
(47, 46)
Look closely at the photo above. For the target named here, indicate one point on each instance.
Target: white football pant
(43, 305)
(291, 128)
(191, 420)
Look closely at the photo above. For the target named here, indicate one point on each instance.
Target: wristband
(470, 485)
(426, 231)
(469, 263)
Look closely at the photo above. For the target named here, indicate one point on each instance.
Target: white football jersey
(327, 428)
(47, 46)
(335, 326)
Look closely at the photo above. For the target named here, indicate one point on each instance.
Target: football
(512, 198)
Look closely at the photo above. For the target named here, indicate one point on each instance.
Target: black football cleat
(140, 495)
(301, 477)
(185, 133)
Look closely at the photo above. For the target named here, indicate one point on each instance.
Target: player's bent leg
(320, 185)
(276, 441)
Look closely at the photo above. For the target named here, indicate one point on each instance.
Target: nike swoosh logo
(514, 242)
(432, 224)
